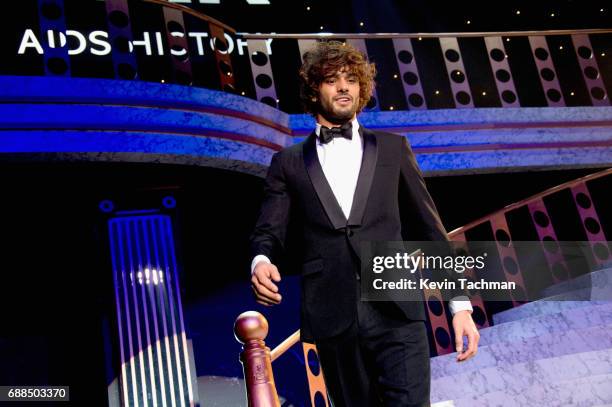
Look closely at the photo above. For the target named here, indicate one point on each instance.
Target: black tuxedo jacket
(390, 203)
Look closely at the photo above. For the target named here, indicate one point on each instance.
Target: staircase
(556, 351)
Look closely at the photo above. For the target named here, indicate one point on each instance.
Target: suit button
(350, 233)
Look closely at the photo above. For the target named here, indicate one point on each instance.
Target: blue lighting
(112, 120)
(169, 202)
(106, 206)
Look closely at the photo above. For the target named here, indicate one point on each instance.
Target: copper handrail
(525, 201)
(251, 328)
(285, 345)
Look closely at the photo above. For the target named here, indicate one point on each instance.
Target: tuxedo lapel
(320, 184)
(366, 176)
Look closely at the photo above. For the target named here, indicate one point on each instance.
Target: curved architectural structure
(114, 120)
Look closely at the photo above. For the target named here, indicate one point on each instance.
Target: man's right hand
(262, 281)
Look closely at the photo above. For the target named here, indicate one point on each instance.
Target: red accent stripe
(242, 138)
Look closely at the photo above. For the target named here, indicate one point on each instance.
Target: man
(344, 185)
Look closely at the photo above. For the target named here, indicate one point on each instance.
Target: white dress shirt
(340, 160)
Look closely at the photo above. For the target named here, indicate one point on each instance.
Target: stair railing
(251, 327)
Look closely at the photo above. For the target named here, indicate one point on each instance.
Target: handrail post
(250, 329)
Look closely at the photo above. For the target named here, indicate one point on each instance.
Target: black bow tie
(326, 134)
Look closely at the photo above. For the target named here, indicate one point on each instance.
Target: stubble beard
(336, 116)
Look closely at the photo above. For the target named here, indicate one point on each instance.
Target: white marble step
(577, 318)
(525, 350)
(595, 293)
(583, 392)
(522, 375)
(595, 286)
(221, 391)
(541, 307)
(598, 278)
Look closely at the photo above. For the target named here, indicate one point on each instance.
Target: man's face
(339, 97)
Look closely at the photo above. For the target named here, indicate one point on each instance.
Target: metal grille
(155, 368)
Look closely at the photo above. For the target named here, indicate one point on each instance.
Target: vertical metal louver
(155, 369)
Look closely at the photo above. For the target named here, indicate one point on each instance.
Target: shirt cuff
(460, 304)
(257, 259)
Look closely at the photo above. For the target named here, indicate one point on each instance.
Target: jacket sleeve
(268, 237)
(418, 212)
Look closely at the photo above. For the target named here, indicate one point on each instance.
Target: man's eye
(330, 80)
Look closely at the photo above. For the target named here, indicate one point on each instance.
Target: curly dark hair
(324, 60)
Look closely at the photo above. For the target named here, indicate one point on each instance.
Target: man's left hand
(464, 325)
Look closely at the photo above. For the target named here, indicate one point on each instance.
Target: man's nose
(342, 85)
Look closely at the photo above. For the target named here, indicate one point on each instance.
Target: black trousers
(381, 360)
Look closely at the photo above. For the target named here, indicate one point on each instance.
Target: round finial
(250, 325)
